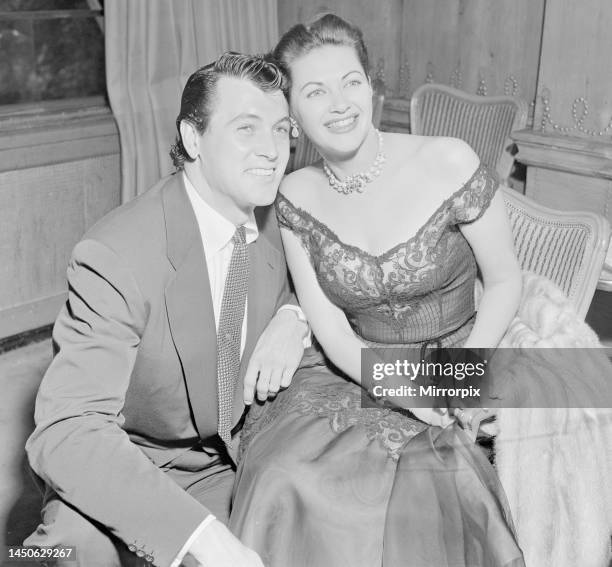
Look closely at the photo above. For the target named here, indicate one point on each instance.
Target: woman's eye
(354, 83)
(246, 128)
(314, 93)
(282, 129)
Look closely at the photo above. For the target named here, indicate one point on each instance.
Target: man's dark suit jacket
(133, 384)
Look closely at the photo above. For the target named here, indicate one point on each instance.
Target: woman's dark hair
(197, 101)
(326, 30)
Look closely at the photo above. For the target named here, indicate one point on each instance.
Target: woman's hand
(472, 420)
(434, 416)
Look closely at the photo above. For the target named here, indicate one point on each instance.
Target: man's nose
(268, 146)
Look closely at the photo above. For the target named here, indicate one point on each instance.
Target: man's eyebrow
(251, 116)
(244, 116)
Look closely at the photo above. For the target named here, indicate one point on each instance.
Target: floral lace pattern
(341, 405)
(424, 283)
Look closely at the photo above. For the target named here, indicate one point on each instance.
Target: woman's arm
(491, 240)
(328, 322)
(490, 237)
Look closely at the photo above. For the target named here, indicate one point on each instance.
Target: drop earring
(295, 130)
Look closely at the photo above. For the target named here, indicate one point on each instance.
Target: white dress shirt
(217, 233)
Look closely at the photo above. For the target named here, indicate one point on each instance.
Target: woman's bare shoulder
(300, 185)
(436, 147)
(452, 158)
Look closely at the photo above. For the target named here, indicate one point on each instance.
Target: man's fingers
(263, 385)
(287, 377)
(276, 378)
(250, 381)
(269, 382)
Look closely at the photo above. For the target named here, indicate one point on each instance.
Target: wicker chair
(568, 248)
(306, 153)
(483, 122)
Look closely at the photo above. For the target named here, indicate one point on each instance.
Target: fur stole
(556, 464)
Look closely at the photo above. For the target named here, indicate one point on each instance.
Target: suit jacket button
(140, 553)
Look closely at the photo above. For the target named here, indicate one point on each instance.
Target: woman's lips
(342, 124)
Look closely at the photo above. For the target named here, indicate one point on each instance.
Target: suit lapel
(190, 309)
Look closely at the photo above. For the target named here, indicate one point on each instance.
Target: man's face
(245, 148)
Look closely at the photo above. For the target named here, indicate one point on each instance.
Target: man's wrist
(192, 538)
(297, 311)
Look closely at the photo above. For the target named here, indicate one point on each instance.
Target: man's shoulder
(268, 226)
(136, 223)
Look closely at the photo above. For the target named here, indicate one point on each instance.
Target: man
(159, 347)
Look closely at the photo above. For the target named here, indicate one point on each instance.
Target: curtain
(152, 46)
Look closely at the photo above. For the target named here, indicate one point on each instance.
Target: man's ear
(190, 139)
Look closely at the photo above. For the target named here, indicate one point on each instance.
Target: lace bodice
(420, 289)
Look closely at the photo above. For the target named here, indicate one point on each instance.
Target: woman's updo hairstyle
(326, 30)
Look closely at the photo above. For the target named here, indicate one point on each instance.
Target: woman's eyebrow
(350, 72)
(319, 83)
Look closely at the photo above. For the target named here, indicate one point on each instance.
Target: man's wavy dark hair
(197, 101)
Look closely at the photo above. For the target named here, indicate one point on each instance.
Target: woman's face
(331, 98)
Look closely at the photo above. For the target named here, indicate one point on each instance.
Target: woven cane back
(568, 248)
(484, 122)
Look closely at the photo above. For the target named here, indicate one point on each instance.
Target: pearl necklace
(357, 181)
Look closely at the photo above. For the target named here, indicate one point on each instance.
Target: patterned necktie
(230, 332)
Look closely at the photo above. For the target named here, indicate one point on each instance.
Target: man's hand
(216, 546)
(276, 356)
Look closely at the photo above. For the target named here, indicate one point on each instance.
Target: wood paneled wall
(476, 45)
(569, 150)
(379, 20)
(575, 70)
(54, 184)
(471, 44)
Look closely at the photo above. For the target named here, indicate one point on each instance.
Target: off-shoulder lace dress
(324, 481)
(419, 290)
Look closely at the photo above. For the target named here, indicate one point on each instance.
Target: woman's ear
(190, 139)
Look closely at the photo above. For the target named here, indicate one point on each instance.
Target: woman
(383, 239)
